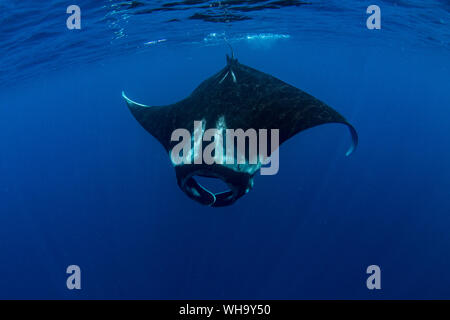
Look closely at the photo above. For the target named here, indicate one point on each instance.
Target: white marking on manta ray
(218, 139)
(195, 154)
(224, 77)
(234, 77)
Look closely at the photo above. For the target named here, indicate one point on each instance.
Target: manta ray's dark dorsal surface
(237, 97)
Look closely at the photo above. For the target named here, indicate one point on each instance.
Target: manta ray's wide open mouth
(215, 186)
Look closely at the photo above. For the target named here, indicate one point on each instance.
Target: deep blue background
(82, 183)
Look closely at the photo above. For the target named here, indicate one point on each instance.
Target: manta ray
(237, 96)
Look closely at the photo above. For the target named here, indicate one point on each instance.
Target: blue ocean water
(81, 182)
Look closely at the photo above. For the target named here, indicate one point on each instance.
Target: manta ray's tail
(231, 48)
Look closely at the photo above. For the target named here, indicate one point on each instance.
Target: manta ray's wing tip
(354, 135)
(132, 103)
(125, 96)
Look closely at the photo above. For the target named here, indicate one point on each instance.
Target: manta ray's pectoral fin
(132, 103)
(154, 119)
(354, 136)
